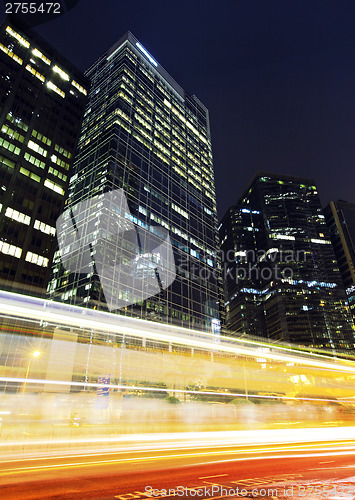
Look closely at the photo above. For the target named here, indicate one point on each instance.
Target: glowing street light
(34, 354)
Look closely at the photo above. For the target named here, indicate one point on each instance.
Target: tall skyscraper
(147, 142)
(280, 268)
(42, 98)
(340, 217)
(241, 283)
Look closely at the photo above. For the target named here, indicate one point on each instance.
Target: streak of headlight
(106, 322)
(186, 446)
(273, 457)
(214, 438)
(155, 389)
(6, 472)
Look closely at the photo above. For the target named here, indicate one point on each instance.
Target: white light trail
(155, 389)
(310, 437)
(63, 314)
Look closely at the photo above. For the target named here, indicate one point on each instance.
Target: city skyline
(161, 149)
(277, 78)
(124, 381)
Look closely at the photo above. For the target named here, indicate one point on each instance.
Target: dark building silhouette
(42, 98)
(144, 134)
(340, 217)
(281, 277)
(242, 286)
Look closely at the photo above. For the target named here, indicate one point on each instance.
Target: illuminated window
(8, 249)
(35, 161)
(167, 103)
(124, 116)
(62, 151)
(197, 186)
(36, 259)
(41, 137)
(61, 73)
(54, 187)
(178, 231)
(36, 147)
(180, 210)
(79, 87)
(207, 210)
(282, 237)
(13, 135)
(11, 54)
(29, 174)
(18, 37)
(56, 89)
(35, 73)
(44, 228)
(324, 242)
(73, 179)
(161, 147)
(17, 216)
(140, 139)
(39, 54)
(57, 173)
(125, 97)
(177, 169)
(142, 121)
(8, 145)
(59, 162)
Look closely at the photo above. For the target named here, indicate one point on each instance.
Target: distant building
(239, 247)
(42, 98)
(144, 135)
(340, 217)
(281, 277)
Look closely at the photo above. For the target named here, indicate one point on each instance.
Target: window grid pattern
(153, 142)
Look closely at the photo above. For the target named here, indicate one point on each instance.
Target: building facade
(340, 218)
(281, 269)
(241, 283)
(42, 99)
(146, 142)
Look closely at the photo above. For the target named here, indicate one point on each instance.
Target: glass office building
(340, 217)
(145, 138)
(281, 268)
(241, 283)
(42, 99)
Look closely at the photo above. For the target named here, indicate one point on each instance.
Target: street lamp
(34, 354)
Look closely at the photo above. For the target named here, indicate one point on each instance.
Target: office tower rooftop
(145, 157)
(340, 217)
(281, 262)
(42, 98)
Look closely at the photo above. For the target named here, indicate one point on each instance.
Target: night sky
(278, 77)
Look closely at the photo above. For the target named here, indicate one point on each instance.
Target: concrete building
(42, 98)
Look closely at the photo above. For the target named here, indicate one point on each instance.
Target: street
(300, 470)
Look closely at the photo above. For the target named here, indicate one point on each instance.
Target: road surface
(300, 470)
